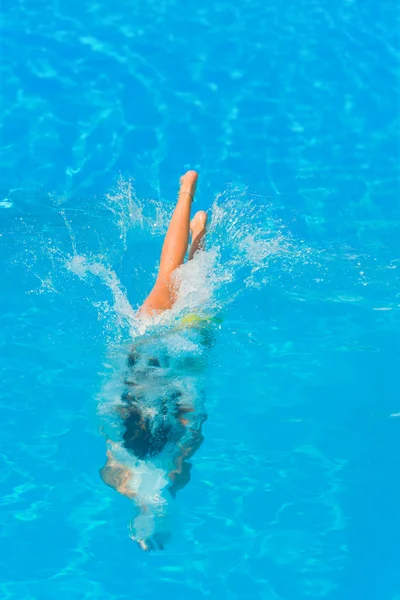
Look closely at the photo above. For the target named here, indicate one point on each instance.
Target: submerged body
(162, 407)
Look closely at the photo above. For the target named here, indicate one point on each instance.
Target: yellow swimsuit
(194, 319)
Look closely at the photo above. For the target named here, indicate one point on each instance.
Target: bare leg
(174, 248)
(198, 229)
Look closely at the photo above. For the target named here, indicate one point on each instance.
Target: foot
(198, 228)
(188, 183)
(198, 224)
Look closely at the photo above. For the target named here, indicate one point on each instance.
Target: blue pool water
(290, 112)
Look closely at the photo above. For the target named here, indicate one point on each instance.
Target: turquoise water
(289, 111)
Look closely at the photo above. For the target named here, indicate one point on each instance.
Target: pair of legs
(163, 294)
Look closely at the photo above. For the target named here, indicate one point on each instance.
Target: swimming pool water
(290, 113)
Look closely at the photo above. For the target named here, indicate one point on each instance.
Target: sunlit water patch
(275, 321)
(163, 387)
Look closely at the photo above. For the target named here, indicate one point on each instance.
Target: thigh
(159, 299)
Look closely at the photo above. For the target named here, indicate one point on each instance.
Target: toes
(189, 179)
(199, 221)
